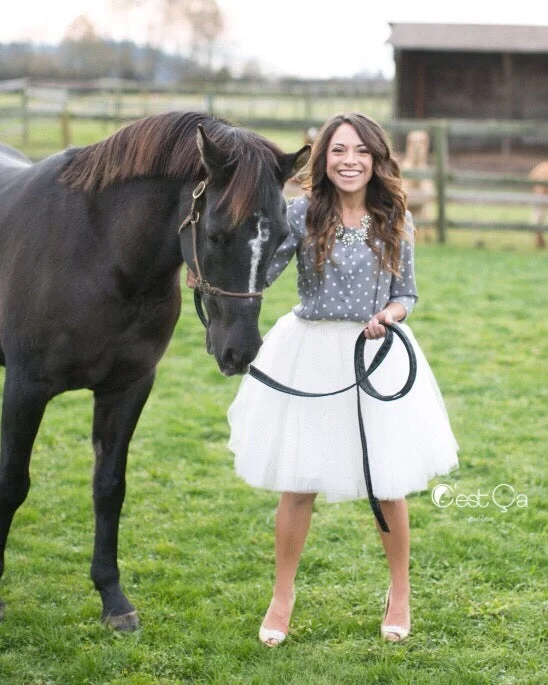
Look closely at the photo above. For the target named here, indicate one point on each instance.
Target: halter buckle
(203, 287)
(199, 190)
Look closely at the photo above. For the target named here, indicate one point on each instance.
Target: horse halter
(202, 286)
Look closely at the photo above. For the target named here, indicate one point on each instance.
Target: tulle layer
(286, 443)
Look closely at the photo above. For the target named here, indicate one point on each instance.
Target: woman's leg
(396, 546)
(292, 524)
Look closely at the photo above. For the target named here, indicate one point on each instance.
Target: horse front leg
(115, 417)
(23, 407)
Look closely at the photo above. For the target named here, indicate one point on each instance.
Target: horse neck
(142, 217)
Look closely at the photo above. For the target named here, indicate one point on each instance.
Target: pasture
(196, 545)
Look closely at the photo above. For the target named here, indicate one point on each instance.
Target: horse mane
(164, 145)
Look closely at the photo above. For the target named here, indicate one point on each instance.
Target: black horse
(90, 260)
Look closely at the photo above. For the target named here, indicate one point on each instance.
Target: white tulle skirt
(286, 443)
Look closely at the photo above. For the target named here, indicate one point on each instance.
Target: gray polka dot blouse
(352, 287)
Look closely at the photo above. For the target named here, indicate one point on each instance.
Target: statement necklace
(356, 235)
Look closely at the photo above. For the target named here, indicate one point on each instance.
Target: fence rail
(485, 188)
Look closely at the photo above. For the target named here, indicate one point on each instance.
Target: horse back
(14, 166)
(10, 157)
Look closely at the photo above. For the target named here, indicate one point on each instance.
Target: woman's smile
(349, 164)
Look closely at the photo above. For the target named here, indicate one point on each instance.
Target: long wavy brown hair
(384, 197)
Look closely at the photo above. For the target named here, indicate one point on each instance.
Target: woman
(354, 246)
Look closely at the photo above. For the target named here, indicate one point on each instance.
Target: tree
(81, 30)
(80, 47)
(202, 18)
(252, 70)
(206, 24)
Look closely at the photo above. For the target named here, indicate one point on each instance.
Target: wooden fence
(450, 186)
(119, 102)
(480, 188)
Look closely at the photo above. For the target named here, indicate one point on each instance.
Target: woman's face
(349, 163)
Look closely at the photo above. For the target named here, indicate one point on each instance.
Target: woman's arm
(403, 289)
(296, 213)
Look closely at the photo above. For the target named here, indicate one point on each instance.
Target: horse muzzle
(235, 347)
(235, 360)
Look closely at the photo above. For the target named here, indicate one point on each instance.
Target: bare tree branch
(203, 18)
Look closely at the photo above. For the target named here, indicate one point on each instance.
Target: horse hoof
(126, 623)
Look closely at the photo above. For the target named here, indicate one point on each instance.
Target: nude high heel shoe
(271, 637)
(388, 631)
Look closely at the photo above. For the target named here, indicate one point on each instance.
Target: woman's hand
(190, 278)
(375, 329)
(392, 313)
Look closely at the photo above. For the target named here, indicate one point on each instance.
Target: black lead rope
(199, 305)
(362, 381)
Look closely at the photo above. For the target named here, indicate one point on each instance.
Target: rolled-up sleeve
(296, 219)
(403, 289)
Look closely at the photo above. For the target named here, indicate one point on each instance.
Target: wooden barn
(470, 71)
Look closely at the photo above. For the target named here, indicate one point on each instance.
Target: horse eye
(224, 237)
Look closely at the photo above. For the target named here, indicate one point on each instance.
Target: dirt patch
(516, 161)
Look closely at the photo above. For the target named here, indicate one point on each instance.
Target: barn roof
(469, 37)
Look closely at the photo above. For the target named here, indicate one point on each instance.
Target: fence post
(209, 102)
(145, 99)
(440, 131)
(118, 95)
(308, 114)
(25, 112)
(65, 128)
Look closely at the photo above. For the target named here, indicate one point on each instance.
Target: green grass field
(196, 549)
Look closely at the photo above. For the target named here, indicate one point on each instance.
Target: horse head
(239, 217)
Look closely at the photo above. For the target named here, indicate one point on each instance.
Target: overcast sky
(307, 38)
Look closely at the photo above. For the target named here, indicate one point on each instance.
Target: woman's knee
(299, 499)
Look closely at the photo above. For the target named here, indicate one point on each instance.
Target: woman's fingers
(374, 329)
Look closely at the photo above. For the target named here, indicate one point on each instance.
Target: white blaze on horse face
(256, 245)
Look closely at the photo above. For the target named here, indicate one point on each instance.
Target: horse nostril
(235, 361)
(239, 351)
(231, 358)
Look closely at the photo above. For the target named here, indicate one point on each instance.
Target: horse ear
(213, 158)
(294, 162)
